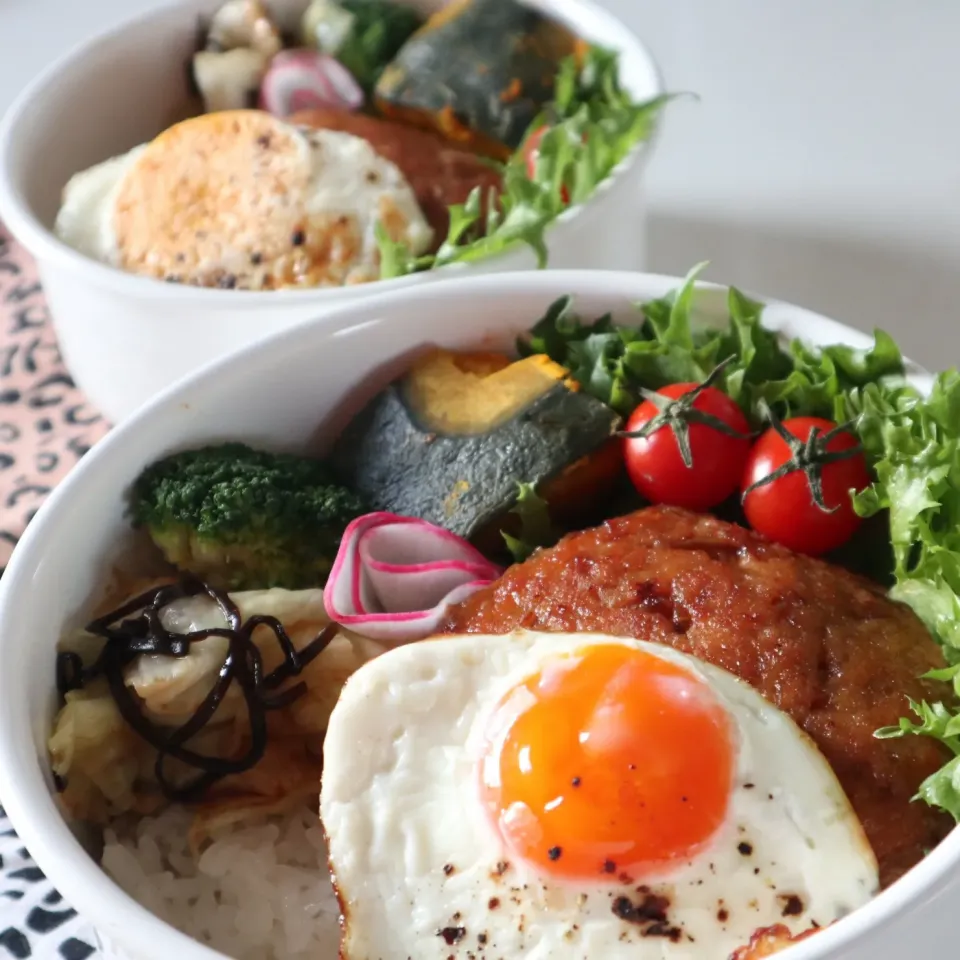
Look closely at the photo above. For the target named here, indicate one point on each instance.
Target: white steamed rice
(258, 892)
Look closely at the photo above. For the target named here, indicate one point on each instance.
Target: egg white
(85, 219)
(346, 177)
(414, 855)
(349, 176)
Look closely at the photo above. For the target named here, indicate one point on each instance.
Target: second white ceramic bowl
(125, 337)
(284, 395)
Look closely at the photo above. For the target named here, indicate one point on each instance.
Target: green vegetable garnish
(594, 124)
(617, 363)
(364, 35)
(917, 442)
(536, 527)
(244, 519)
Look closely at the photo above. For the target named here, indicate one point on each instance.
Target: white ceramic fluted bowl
(284, 394)
(125, 337)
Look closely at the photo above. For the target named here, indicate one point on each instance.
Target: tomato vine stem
(808, 456)
(679, 413)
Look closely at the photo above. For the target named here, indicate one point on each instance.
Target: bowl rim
(45, 832)
(46, 247)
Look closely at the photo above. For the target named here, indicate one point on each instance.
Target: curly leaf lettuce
(593, 125)
(918, 481)
(536, 527)
(942, 789)
(917, 444)
(613, 362)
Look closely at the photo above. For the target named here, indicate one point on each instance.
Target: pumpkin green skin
(463, 483)
(469, 65)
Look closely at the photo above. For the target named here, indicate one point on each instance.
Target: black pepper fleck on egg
(452, 935)
(792, 905)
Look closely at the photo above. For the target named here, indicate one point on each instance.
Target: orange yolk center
(609, 761)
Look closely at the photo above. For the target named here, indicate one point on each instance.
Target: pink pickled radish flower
(307, 80)
(394, 577)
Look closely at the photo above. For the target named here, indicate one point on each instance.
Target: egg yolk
(608, 761)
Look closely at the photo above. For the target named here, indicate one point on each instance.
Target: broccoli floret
(243, 519)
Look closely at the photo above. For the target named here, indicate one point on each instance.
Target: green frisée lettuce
(536, 529)
(614, 361)
(593, 124)
(918, 482)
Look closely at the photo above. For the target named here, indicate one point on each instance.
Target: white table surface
(821, 164)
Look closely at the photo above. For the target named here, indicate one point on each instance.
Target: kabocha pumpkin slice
(478, 71)
(450, 441)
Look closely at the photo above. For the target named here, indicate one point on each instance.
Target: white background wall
(821, 164)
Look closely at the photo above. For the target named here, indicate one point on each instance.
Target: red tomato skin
(784, 510)
(532, 151)
(656, 468)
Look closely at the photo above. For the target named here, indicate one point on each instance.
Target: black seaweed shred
(135, 628)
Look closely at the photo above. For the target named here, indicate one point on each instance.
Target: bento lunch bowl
(125, 337)
(284, 394)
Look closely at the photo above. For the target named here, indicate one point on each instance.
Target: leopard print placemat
(46, 424)
(35, 923)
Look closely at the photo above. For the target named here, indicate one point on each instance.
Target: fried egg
(242, 199)
(568, 796)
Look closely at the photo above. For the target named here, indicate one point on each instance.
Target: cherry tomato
(655, 463)
(532, 152)
(784, 508)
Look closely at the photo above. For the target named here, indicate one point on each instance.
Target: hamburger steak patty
(825, 645)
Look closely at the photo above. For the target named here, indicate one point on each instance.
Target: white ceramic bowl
(125, 337)
(283, 394)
